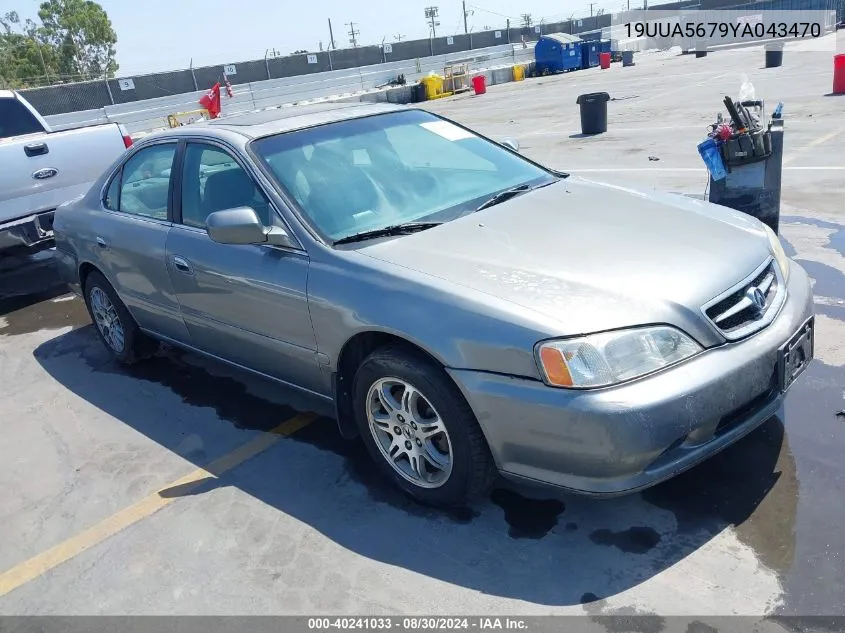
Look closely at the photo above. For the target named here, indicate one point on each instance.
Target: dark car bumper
(33, 232)
(622, 439)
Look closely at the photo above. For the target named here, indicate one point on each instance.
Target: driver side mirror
(242, 226)
(511, 144)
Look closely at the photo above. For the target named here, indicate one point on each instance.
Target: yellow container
(518, 73)
(433, 86)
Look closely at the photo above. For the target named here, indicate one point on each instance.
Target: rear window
(16, 120)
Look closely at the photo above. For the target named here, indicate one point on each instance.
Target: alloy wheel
(409, 432)
(107, 319)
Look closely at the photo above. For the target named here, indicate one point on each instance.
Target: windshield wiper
(507, 194)
(396, 229)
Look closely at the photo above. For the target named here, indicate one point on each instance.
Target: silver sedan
(468, 311)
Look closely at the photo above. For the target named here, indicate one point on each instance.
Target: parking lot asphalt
(180, 486)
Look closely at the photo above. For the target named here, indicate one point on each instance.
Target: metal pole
(267, 63)
(331, 34)
(43, 65)
(193, 76)
(108, 87)
(466, 30)
(509, 30)
(331, 67)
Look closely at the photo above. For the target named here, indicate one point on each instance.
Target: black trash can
(774, 57)
(419, 93)
(593, 112)
(627, 58)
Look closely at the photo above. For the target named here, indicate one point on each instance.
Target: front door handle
(182, 265)
(102, 243)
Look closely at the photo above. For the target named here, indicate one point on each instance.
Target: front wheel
(419, 428)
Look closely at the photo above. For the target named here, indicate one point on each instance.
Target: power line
(431, 14)
(353, 34)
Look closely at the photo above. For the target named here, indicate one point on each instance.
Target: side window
(213, 181)
(112, 200)
(145, 183)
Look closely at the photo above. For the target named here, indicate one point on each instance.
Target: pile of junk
(744, 157)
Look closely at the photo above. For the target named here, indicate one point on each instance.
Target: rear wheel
(419, 428)
(116, 327)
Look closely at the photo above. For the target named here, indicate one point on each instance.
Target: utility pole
(527, 20)
(398, 37)
(466, 14)
(431, 15)
(331, 36)
(591, 9)
(353, 34)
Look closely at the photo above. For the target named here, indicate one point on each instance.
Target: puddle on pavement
(527, 518)
(51, 309)
(634, 540)
(751, 485)
(230, 398)
(837, 238)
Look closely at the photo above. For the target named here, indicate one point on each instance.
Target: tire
(135, 345)
(470, 471)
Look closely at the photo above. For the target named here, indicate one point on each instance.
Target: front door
(131, 236)
(245, 304)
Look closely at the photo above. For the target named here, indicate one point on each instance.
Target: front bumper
(626, 438)
(32, 232)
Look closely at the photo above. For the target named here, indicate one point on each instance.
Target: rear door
(131, 236)
(40, 170)
(245, 304)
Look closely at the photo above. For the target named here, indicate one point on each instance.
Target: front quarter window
(410, 166)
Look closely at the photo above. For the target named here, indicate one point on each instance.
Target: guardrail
(145, 116)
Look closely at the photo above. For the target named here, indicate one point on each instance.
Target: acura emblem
(43, 174)
(757, 298)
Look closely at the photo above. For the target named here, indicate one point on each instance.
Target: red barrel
(479, 84)
(604, 60)
(838, 74)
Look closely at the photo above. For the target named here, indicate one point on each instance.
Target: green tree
(82, 37)
(25, 57)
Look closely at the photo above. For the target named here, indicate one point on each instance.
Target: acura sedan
(468, 311)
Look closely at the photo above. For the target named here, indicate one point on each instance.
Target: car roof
(285, 119)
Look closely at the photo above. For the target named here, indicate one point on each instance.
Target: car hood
(592, 256)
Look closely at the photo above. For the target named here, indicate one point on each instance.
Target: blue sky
(158, 35)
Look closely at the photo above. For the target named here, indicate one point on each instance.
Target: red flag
(211, 101)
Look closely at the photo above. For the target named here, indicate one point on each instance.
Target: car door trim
(196, 350)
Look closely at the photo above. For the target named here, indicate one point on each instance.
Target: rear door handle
(36, 149)
(182, 265)
(102, 242)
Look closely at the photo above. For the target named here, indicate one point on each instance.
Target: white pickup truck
(40, 169)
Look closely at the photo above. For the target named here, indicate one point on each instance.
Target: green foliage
(75, 41)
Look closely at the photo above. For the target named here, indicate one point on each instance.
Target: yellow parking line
(815, 143)
(75, 545)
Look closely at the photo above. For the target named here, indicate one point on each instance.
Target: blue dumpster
(557, 53)
(590, 54)
(605, 46)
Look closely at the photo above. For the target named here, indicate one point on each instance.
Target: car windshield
(366, 174)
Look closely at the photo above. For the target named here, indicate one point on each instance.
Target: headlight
(599, 360)
(777, 250)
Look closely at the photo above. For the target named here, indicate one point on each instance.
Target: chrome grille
(748, 307)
